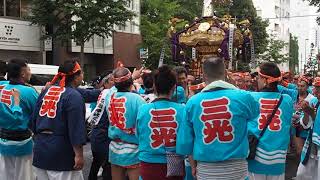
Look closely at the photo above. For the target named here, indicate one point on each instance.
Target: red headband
(316, 81)
(270, 79)
(197, 87)
(123, 78)
(303, 79)
(62, 76)
(241, 75)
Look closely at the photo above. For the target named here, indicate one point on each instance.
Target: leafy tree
(274, 51)
(293, 53)
(244, 9)
(186, 12)
(155, 15)
(79, 20)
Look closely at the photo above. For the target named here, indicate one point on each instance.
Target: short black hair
(67, 67)
(270, 69)
(214, 67)
(14, 68)
(125, 85)
(3, 68)
(147, 80)
(164, 80)
(180, 70)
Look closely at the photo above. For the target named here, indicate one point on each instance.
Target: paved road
(290, 168)
(88, 160)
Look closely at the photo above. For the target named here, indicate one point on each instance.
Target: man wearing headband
(308, 167)
(239, 80)
(122, 109)
(214, 131)
(270, 157)
(301, 131)
(59, 127)
(15, 113)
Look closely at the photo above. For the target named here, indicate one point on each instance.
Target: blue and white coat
(272, 148)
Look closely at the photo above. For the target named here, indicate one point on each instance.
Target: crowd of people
(163, 124)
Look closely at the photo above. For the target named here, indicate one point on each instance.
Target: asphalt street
(88, 160)
(291, 164)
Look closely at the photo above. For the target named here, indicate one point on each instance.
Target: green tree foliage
(155, 15)
(244, 9)
(293, 53)
(275, 51)
(80, 20)
(189, 9)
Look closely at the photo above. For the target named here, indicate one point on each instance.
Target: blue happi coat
(215, 124)
(59, 125)
(293, 93)
(127, 104)
(122, 109)
(315, 130)
(157, 126)
(292, 86)
(179, 95)
(272, 148)
(16, 117)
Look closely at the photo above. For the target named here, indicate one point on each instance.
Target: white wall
(276, 11)
(304, 28)
(132, 26)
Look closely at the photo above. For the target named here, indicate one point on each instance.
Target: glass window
(132, 26)
(98, 42)
(127, 27)
(13, 8)
(25, 8)
(1, 8)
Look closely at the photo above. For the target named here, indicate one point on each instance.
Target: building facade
(19, 39)
(277, 12)
(303, 26)
(296, 17)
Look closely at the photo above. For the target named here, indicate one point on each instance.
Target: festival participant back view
(270, 157)
(122, 109)
(214, 130)
(15, 138)
(59, 127)
(157, 125)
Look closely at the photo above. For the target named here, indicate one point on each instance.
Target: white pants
(265, 177)
(42, 174)
(310, 171)
(16, 167)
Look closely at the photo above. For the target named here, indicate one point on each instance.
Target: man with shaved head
(216, 124)
(122, 109)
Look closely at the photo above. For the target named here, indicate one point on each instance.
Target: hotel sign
(19, 35)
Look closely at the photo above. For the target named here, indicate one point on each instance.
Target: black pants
(100, 160)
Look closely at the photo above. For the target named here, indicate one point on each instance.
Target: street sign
(144, 54)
